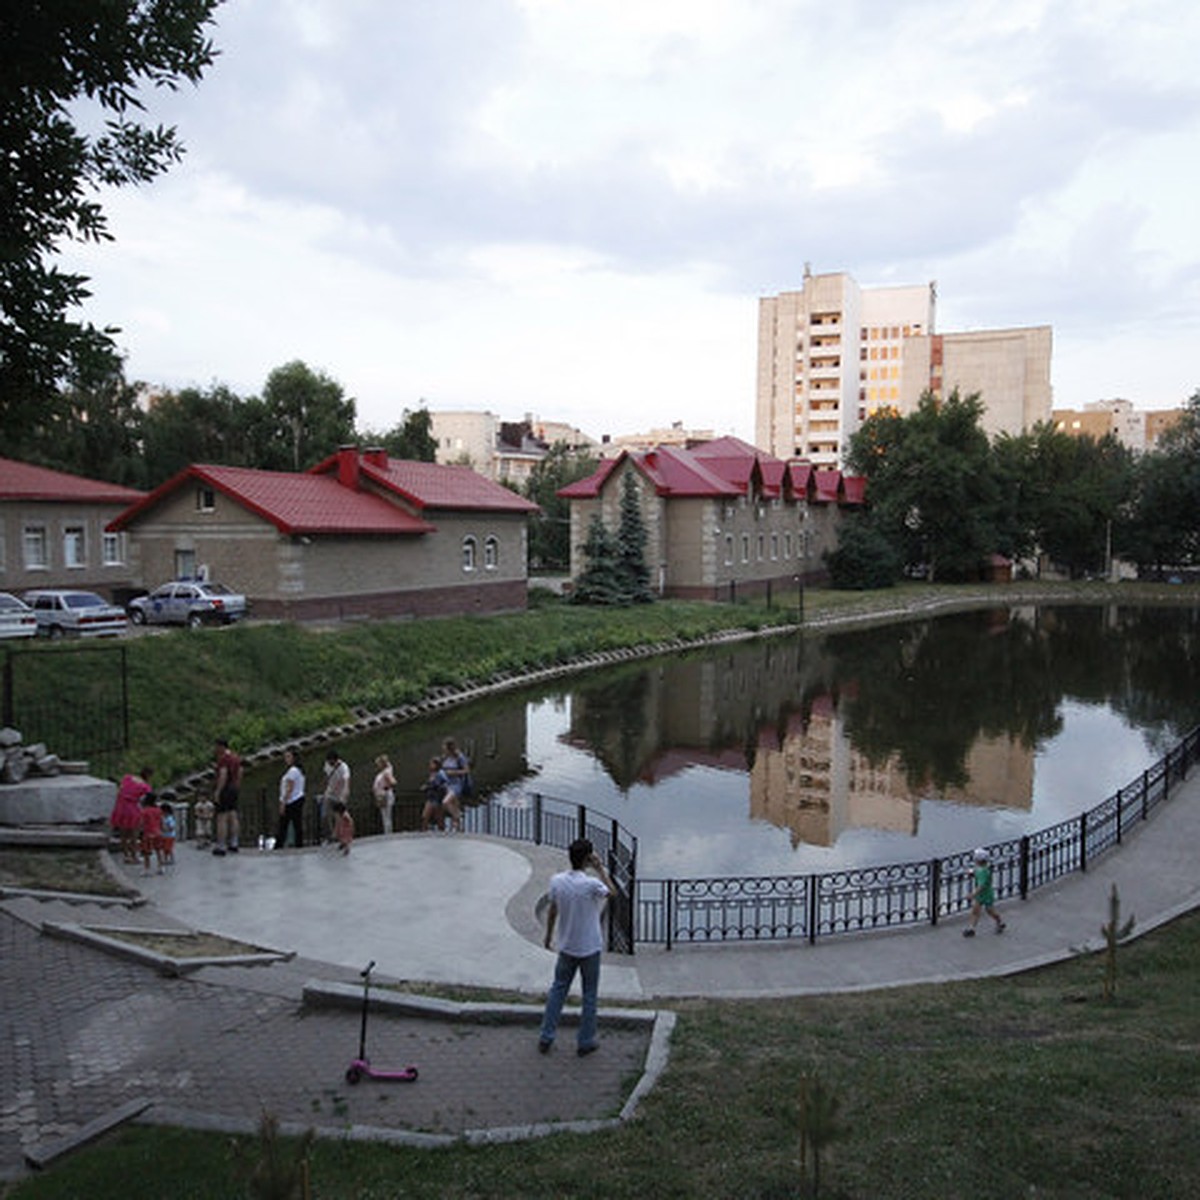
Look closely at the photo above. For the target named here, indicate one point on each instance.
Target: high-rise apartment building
(828, 355)
(833, 353)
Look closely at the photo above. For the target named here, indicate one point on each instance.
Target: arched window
(491, 552)
(468, 553)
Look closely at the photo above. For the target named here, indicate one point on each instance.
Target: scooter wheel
(353, 1073)
(413, 1073)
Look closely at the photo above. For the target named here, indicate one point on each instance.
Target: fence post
(1024, 868)
(935, 889)
(1145, 794)
(1083, 841)
(813, 908)
(669, 912)
(581, 820)
(537, 818)
(1120, 808)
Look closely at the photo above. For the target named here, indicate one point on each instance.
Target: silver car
(62, 611)
(188, 602)
(16, 619)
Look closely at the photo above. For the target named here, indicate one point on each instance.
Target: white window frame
(729, 549)
(185, 563)
(491, 552)
(112, 549)
(206, 499)
(34, 537)
(468, 553)
(745, 547)
(74, 546)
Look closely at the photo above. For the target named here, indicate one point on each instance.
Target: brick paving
(83, 1032)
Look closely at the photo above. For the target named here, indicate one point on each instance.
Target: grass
(1028, 1086)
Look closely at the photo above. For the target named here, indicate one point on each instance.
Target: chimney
(376, 456)
(348, 467)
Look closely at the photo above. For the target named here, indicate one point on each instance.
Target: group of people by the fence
(144, 822)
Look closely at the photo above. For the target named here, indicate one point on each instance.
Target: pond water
(811, 753)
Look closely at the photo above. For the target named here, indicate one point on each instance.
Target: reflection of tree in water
(926, 691)
(614, 719)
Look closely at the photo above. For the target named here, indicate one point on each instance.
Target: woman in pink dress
(126, 818)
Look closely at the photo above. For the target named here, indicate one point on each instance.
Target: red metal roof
(294, 504)
(438, 486)
(23, 481)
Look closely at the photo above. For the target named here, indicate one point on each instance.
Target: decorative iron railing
(781, 907)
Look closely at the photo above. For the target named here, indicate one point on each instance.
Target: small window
(206, 499)
(468, 554)
(774, 546)
(491, 553)
(745, 547)
(74, 547)
(787, 545)
(37, 557)
(185, 564)
(761, 544)
(113, 549)
(729, 549)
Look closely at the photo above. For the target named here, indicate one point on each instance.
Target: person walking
(226, 791)
(576, 901)
(383, 788)
(291, 801)
(337, 790)
(983, 893)
(457, 769)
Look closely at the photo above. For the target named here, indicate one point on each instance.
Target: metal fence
(545, 821)
(781, 907)
(75, 699)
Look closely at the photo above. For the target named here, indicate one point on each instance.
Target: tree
(56, 56)
(412, 438)
(864, 558)
(932, 484)
(306, 418)
(98, 431)
(631, 544)
(600, 581)
(550, 530)
(200, 425)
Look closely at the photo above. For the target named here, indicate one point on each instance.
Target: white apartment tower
(828, 356)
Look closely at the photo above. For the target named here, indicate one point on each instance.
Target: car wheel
(137, 616)
(56, 632)
(195, 620)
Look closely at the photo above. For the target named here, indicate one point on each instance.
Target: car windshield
(83, 600)
(7, 601)
(217, 589)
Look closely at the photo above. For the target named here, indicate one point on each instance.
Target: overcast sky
(571, 207)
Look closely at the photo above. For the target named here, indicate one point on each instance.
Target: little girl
(151, 831)
(343, 826)
(169, 833)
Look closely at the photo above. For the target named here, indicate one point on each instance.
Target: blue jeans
(564, 974)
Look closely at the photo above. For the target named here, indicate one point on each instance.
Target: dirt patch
(59, 870)
(182, 945)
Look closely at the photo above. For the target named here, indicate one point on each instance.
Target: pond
(811, 753)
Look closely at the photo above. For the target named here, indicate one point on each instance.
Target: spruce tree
(600, 582)
(631, 545)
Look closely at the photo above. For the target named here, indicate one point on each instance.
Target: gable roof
(294, 504)
(24, 481)
(426, 485)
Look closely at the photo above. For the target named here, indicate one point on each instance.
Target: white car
(62, 611)
(188, 602)
(16, 619)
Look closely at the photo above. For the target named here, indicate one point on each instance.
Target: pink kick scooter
(361, 1066)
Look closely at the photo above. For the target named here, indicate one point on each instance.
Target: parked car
(188, 602)
(16, 618)
(61, 611)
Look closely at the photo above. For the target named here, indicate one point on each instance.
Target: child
(433, 815)
(151, 832)
(169, 832)
(983, 893)
(204, 811)
(343, 826)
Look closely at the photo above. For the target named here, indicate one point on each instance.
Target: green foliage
(865, 558)
(411, 439)
(932, 484)
(600, 582)
(631, 543)
(58, 58)
(550, 530)
(307, 418)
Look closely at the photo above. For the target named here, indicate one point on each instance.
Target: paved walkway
(83, 1033)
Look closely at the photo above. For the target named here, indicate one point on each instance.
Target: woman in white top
(291, 801)
(384, 791)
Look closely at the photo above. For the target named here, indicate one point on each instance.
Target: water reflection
(792, 755)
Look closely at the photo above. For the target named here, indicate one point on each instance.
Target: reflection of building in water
(745, 712)
(815, 784)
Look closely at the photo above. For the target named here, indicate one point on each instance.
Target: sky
(570, 208)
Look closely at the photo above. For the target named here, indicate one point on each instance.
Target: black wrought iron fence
(73, 698)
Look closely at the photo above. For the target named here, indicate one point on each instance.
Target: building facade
(1135, 428)
(833, 353)
(53, 532)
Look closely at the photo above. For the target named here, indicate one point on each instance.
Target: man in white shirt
(576, 901)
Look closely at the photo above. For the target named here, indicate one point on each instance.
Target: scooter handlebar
(367, 969)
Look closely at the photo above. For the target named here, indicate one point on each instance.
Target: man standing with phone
(576, 901)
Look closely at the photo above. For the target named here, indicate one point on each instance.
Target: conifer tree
(631, 544)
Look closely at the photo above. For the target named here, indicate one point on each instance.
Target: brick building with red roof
(358, 535)
(722, 518)
(53, 531)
